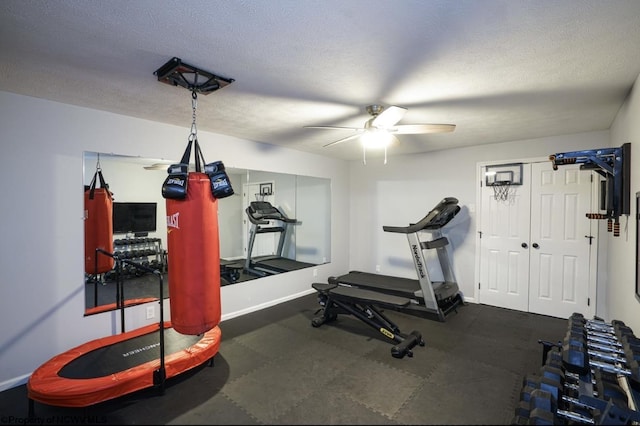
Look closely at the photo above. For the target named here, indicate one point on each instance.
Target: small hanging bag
(98, 225)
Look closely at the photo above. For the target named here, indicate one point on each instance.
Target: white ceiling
(500, 70)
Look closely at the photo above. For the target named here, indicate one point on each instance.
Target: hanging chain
(98, 167)
(194, 105)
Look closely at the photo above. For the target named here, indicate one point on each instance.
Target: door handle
(524, 245)
(535, 245)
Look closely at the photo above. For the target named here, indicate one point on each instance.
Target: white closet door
(535, 252)
(560, 249)
(504, 262)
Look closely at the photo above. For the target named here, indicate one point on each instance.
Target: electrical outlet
(377, 268)
(151, 312)
(315, 272)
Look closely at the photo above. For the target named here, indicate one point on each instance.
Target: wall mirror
(274, 223)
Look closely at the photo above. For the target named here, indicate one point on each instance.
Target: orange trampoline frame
(45, 385)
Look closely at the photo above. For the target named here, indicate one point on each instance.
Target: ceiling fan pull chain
(364, 154)
(385, 154)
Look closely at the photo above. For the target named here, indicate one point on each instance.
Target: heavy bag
(98, 226)
(193, 256)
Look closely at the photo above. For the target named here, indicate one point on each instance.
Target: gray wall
(41, 262)
(41, 265)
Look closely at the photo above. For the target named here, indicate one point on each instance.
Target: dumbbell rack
(146, 251)
(592, 376)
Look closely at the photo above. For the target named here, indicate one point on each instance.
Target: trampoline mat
(117, 365)
(124, 355)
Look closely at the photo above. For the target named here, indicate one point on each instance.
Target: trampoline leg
(159, 378)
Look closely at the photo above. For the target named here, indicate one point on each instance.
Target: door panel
(504, 262)
(560, 251)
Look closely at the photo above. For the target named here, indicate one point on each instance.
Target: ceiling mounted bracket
(177, 73)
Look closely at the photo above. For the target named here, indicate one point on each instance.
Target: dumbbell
(621, 329)
(554, 357)
(631, 347)
(521, 416)
(597, 323)
(110, 275)
(577, 350)
(549, 383)
(565, 391)
(539, 409)
(564, 398)
(609, 389)
(598, 329)
(580, 360)
(542, 408)
(575, 357)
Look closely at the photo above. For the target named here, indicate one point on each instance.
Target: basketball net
(501, 190)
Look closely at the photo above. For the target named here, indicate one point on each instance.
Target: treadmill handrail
(445, 210)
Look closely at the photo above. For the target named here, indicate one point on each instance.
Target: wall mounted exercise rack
(614, 164)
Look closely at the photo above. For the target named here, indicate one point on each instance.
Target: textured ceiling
(499, 70)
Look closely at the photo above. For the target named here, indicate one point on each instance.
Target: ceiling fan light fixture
(376, 139)
(382, 128)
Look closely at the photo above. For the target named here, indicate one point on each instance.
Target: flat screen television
(134, 217)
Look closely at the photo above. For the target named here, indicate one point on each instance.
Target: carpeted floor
(273, 367)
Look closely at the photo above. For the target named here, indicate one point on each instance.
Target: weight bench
(364, 304)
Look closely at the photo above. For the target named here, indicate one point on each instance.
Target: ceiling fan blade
(343, 139)
(389, 116)
(422, 128)
(332, 127)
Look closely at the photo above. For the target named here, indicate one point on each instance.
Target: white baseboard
(255, 308)
(12, 383)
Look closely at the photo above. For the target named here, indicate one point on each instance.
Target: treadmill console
(260, 212)
(442, 213)
(437, 218)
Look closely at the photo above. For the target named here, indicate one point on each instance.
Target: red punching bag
(193, 243)
(98, 226)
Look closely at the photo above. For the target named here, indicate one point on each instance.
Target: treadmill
(260, 214)
(427, 296)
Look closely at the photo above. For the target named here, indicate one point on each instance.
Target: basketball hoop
(501, 190)
(504, 178)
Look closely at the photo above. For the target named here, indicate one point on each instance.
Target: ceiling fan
(383, 123)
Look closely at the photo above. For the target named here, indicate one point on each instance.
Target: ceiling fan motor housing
(375, 109)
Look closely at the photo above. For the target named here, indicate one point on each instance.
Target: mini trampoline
(113, 366)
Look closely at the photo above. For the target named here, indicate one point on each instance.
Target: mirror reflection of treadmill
(427, 296)
(260, 214)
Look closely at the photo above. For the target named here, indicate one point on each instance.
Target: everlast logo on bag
(172, 221)
(220, 184)
(175, 181)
